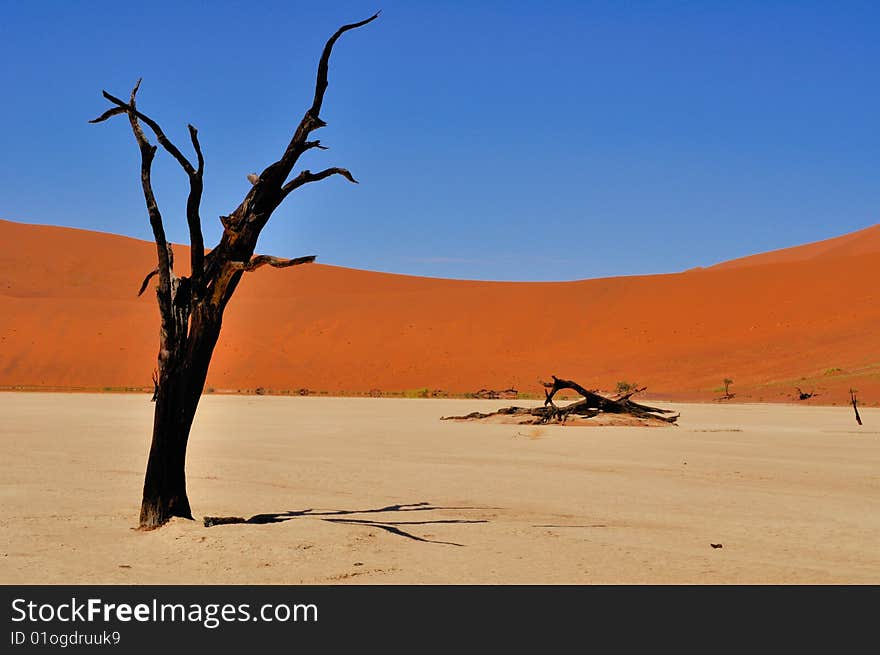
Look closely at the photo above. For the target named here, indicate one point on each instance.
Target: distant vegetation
(725, 389)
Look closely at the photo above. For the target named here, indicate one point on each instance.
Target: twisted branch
(276, 262)
(146, 281)
(275, 174)
(324, 63)
(148, 152)
(593, 401)
(307, 176)
(164, 141)
(195, 175)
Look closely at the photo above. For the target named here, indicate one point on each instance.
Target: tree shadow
(333, 516)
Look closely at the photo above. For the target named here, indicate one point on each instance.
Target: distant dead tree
(855, 404)
(803, 395)
(191, 308)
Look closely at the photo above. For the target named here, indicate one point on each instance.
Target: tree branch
(194, 137)
(148, 152)
(278, 172)
(324, 63)
(146, 281)
(307, 176)
(277, 262)
(195, 175)
(164, 141)
(193, 219)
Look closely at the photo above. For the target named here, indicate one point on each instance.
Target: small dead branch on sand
(591, 404)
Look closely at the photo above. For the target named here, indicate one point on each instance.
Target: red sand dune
(805, 316)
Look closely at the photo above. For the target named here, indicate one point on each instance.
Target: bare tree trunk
(179, 391)
(165, 480)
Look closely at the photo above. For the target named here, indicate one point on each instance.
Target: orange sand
(805, 316)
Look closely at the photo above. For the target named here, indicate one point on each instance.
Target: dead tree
(855, 404)
(591, 404)
(803, 395)
(191, 308)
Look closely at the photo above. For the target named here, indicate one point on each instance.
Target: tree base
(154, 515)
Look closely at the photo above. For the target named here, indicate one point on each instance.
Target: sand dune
(861, 242)
(804, 316)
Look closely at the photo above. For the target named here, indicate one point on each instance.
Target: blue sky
(493, 140)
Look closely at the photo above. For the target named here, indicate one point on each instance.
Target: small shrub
(417, 393)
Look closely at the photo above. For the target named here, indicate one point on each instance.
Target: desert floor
(395, 495)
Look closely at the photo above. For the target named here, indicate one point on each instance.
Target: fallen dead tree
(591, 404)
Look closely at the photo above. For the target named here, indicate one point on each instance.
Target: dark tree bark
(191, 308)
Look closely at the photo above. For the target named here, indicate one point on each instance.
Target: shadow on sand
(342, 516)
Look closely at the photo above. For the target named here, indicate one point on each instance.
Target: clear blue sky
(493, 140)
